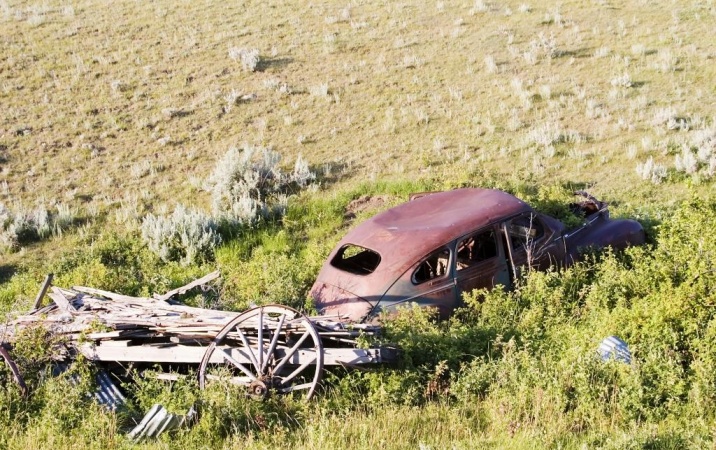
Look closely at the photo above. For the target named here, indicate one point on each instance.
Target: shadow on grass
(585, 52)
(278, 63)
(6, 272)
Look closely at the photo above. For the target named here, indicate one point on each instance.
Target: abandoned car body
(434, 248)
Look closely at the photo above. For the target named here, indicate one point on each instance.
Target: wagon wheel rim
(17, 377)
(269, 349)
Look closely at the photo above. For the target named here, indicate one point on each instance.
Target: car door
(481, 261)
(429, 283)
(531, 242)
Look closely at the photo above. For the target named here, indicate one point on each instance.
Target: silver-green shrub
(698, 156)
(247, 185)
(20, 226)
(302, 174)
(249, 58)
(186, 235)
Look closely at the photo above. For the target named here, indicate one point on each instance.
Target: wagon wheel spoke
(291, 352)
(274, 341)
(245, 341)
(237, 364)
(296, 372)
(263, 344)
(260, 347)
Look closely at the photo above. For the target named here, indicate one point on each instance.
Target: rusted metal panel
(404, 237)
(409, 231)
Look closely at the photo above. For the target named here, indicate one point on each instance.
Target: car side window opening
(476, 248)
(434, 266)
(356, 259)
(524, 230)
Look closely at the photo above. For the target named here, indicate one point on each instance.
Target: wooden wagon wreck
(268, 349)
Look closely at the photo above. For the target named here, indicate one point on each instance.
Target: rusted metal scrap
(438, 246)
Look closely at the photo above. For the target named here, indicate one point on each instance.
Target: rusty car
(437, 246)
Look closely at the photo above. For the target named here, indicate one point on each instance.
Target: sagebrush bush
(23, 226)
(248, 184)
(248, 58)
(247, 187)
(649, 170)
(187, 235)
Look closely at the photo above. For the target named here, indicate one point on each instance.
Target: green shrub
(187, 236)
(248, 184)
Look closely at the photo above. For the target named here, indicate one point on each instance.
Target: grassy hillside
(133, 103)
(115, 113)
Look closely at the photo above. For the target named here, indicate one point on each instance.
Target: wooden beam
(43, 291)
(111, 295)
(193, 354)
(178, 291)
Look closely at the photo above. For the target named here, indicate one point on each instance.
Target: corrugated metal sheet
(155, 422)
(158, 420)
(614, 348)
(107, 393)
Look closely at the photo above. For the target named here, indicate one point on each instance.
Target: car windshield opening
(356, 259)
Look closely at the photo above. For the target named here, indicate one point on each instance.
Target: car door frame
(488, 273)
(438, 292)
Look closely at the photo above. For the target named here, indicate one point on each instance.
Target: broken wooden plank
(44, 310)
(167, 376)
(118, 343)
(192, 339)
(43, 291)
(166, 327)
(111, 295)
(178, 291)
(106, 334)
(172, 306)
(60, 300)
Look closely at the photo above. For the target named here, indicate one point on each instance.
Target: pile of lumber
(94, 314)
(93, 320)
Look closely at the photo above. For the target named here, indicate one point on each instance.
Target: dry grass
(108, 101)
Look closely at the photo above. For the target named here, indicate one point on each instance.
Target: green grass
(117, 110)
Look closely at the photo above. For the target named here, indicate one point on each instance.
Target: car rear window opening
(356, 259)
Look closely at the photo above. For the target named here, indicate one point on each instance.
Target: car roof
(407, 232)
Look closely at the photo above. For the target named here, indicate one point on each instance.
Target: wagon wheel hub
(258, 390)
(269, 349)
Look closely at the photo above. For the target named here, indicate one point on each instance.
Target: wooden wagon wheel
(13, 368)
(268, 349)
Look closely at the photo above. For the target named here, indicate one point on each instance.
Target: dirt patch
(364, 203)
